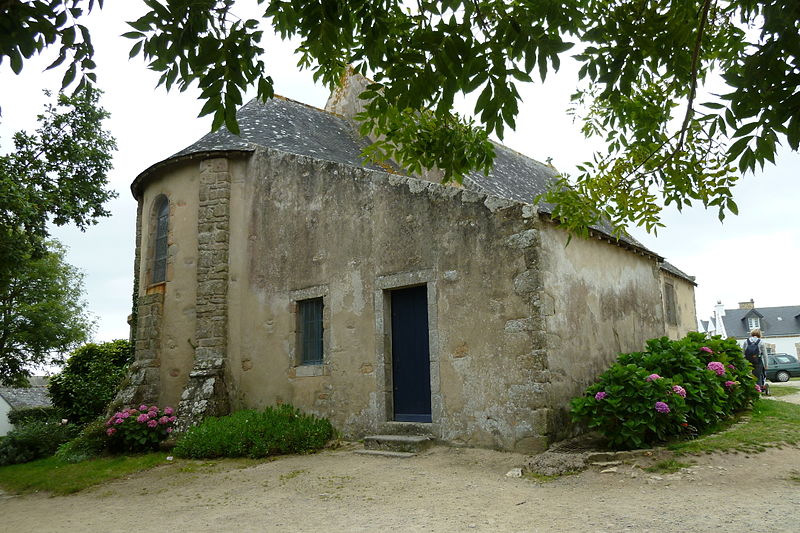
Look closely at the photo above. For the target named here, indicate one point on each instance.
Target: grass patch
(668, 466)
(60, 477)
(782, 390)
(771, 424)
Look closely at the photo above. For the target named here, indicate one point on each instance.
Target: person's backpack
(752, 350)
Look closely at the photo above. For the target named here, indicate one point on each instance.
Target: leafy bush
(90, 379)
(91, 442)
(139, 430)
(631, 407)
(34, 441)
(701, 381)
(276, 430)
(19, 417)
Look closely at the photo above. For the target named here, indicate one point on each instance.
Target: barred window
(309, 317)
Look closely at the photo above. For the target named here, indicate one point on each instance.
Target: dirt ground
(442, 490)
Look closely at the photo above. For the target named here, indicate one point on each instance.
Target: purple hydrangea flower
(173, 418)
(143, 407)
(730, 384)
(730, 366)
(152, 423)
(706, 349)
(661, 407)
(168, 411)
(142, 418)
(717, 367)
(758, 388)
(118, 421)
(169, 430)
(600, 395)
(110, 431)
(680, 391)
(652, 377)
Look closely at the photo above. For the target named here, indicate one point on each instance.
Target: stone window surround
(301, 370)
(383, 357)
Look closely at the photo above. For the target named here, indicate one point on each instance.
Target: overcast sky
(755, 255)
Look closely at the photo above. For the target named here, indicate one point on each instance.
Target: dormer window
(753, 323)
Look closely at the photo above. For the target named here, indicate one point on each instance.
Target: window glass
(160, 248)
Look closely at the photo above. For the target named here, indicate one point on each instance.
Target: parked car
(782, 366)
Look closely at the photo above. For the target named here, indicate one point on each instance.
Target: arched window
(160, 248)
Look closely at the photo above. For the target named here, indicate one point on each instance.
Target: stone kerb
(205, 393)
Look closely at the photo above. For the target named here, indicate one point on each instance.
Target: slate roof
(775, 321)
(296, 128)
(675, 271)
(25, 398)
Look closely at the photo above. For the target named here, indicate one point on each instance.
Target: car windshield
(785, 359)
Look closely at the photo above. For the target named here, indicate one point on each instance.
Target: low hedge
(19, 417)
(273, 431)
(33, 441)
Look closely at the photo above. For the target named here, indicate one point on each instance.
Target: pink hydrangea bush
(716, 367)
(141, 429)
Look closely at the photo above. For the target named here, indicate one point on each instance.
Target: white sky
(755, 255)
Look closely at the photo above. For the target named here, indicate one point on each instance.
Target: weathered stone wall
(143, 384)
(172, 348)
(302, 227)
(599, 300)
(205, 393)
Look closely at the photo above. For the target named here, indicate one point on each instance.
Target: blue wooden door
(411, 368)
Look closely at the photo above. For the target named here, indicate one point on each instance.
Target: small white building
(12, 399)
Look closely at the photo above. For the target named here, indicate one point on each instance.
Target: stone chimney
(344, 100)
(747, 305)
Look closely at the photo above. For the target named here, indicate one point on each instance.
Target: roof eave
(138, 183)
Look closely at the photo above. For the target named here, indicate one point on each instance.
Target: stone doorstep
(398, 443)
(386, 453)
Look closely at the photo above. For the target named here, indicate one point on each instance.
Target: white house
(780, 326)
(17, 398)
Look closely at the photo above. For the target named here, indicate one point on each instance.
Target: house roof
(775, 321)
(293, 127)
(675, 271)
(19, 398)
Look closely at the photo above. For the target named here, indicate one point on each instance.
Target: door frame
(383, 341)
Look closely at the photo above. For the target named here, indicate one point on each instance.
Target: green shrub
(703, 381)
(91, 442)
(276, 430)
(90, 380)
(34, 441)
(631, 408)
(19, 417)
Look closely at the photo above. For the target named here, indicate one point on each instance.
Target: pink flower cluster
(600, 395)
(716, 367)
(758, 388)
(662, 407)
(652, 377)
(706, 349)
(680, 391)
(730, 383)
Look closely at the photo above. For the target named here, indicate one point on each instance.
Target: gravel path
(442, 490)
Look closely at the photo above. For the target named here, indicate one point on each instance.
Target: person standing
(755, 351)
